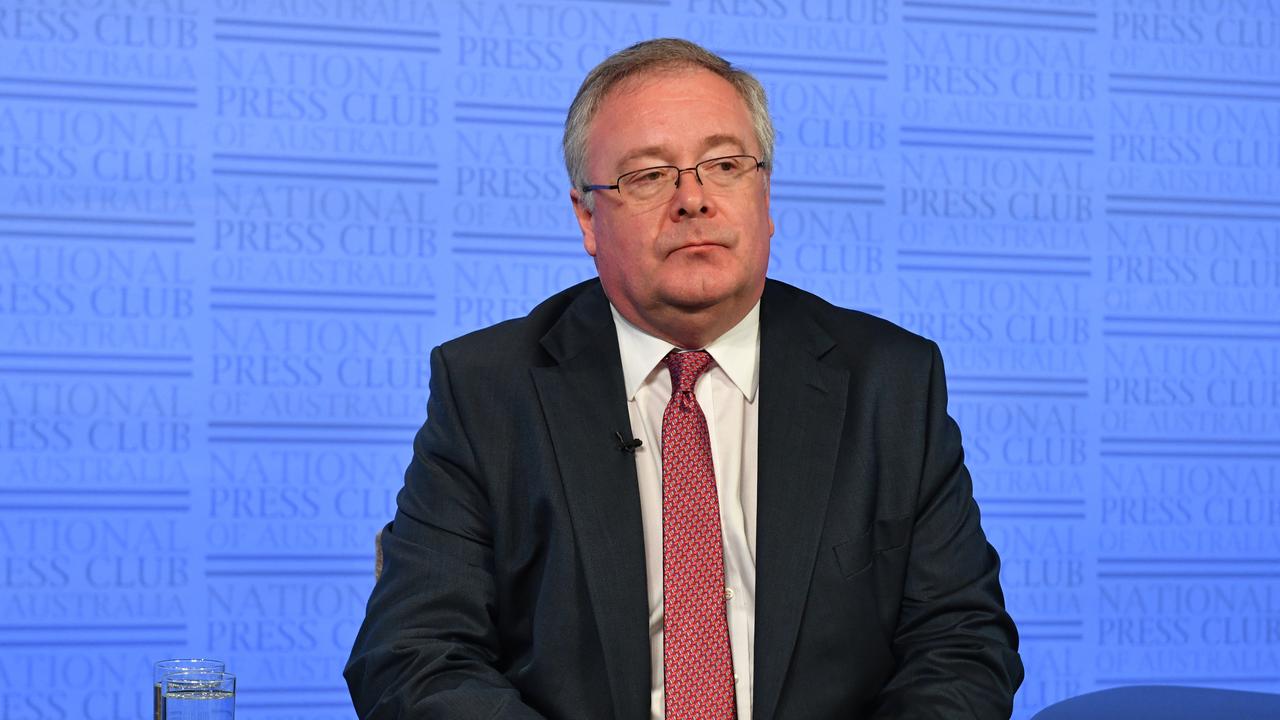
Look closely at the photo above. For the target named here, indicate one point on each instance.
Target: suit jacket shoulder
(519, 339)
(859, 340)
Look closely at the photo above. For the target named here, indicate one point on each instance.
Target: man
(682, 491)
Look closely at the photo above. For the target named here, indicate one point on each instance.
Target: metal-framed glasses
(660, 182)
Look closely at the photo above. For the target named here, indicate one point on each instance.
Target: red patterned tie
(697, 666)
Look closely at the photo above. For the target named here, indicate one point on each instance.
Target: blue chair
(1165, 702)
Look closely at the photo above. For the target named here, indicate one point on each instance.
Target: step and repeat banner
(231, 231)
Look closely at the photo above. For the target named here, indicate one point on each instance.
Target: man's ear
(584, 215)
(768, 188)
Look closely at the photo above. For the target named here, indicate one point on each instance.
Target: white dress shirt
(727, 394)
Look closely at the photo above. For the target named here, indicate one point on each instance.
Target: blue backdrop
(231, 230)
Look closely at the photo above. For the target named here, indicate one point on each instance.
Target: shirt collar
(737, 352)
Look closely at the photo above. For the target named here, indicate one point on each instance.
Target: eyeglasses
(660, 183)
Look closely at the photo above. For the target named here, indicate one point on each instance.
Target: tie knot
(686, 368)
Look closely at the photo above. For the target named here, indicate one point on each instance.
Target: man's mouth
(699, 243)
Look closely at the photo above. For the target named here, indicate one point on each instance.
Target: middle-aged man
(681, 490)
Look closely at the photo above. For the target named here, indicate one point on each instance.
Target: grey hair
(654, 56)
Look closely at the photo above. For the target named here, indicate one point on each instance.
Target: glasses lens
(659, 183)
(648, 183)
(726, 171)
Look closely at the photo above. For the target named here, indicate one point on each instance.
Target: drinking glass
(168, 667)
(199, 696)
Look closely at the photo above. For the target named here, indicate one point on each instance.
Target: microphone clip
(628, 446)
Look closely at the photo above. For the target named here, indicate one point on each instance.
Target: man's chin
(700, 299)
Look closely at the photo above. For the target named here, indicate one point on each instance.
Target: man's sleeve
(429, 642)
(955, 645)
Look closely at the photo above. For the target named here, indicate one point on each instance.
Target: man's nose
(689, 199)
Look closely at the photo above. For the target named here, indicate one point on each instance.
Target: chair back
(1165, 702)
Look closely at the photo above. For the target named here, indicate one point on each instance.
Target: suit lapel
(802, 411)
(584, 403)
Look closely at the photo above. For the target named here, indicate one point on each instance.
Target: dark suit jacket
(514, 581)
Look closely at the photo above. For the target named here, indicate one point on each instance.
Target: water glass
(199, 696)
(168, 667)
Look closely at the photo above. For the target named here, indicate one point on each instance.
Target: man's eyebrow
(723, 139)
(659, 151)
(654, 151)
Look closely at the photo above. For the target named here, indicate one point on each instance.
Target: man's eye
(645, 178)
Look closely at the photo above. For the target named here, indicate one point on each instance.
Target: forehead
(671, 109)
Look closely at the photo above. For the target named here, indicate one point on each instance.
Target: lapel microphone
(628, 446)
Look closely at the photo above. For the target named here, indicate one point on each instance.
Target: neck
(688, 329)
